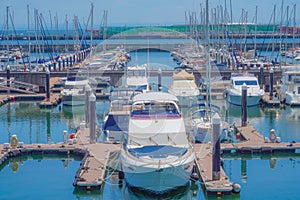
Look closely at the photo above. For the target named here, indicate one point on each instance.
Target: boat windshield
(154, 108)
(247, 82)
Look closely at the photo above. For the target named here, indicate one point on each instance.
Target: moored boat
(73, 93)
(137, 78)
(234, 91)
(290, 88)
(156, 154)
(183, 84)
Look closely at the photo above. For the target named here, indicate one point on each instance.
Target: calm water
(278, 176)
(38, 178)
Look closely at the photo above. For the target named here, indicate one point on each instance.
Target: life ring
(14, 141)
(14, 166)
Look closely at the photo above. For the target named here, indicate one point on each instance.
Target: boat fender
(236, 188)
(14, 141)
(238, 135)
(272, 135)
(72, 135)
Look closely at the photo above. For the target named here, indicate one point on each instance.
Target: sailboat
(201, 118)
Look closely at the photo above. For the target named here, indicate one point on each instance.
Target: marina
(204, 109)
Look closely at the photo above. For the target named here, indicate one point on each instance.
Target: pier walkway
(254, 142)
(91, 174)
(203, 153)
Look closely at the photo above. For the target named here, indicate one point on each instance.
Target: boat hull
(158, 180)
(73, 100)
(237, 100)
(292, 99)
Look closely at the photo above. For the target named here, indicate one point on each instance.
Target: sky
(135, 12)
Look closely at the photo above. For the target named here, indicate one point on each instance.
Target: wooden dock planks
(204, 164)
(92, 172)
(255, 143)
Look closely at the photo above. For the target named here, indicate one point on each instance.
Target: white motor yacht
(156, 154)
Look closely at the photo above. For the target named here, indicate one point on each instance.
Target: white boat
(290, 87)
(73, 93)
(234, 91)
(116, 121)
(201, 124)
(183, 85)
(156, 154)
(137, 78)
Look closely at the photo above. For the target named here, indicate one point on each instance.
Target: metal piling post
(216, 156)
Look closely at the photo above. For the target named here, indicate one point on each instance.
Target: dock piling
(271, 82)
(92, 101)
(64, 64)
(59, 65)
(261, 77)
(8, 79)
(244, 105)
(216, 157)
(87, 103)
(74, 59)
(48, 84)
(159, 80)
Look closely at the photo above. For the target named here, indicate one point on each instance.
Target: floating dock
(267, 102)
(254, 142)
(222, 186)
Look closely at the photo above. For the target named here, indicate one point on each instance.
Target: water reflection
(262, 173)
(118, 189)
(74, 115)
(234, 111)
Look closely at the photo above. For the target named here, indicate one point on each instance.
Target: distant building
(289, 30)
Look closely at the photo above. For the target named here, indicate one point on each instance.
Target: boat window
(297, 80)
(154, 108)
(247, 82)
(68, 87)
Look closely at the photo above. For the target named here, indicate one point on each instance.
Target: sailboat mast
(92, 31)
(286, 32)
(255, 31)
(7, 37)
(29, 44)
(208, 70)
(294, 30)
(274, 23)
